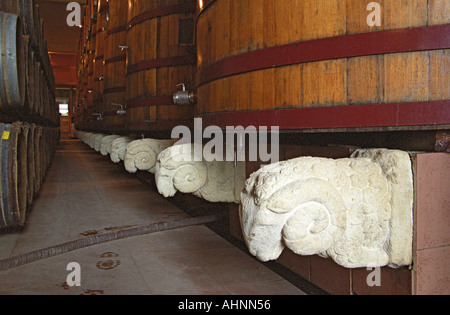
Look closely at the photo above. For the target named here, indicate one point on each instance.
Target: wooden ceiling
(62, 40)
(60, 37)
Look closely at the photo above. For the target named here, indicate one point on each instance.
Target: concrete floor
(85, 194)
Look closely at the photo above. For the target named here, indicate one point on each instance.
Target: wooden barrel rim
(206, 5)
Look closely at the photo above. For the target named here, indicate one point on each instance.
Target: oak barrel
(12, 61)
(14, 177)
(269, 55)
(115, 63)
(161, 55)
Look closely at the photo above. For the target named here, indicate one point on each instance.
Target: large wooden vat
(90, 56)
(115, 63)
(161, 55)
(304, 64)
(86, 54)
(99, 65)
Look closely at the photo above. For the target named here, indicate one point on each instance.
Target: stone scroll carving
(98, 141)
(90, 140)
(106, 143)
(119, 148)
(179, 169)
(358, 210)
(83, 136)
(142, 154)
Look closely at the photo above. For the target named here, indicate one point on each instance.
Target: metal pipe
(102, 238)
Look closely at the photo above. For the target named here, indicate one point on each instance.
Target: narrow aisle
(85, 194)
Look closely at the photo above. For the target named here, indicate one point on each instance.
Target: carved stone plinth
(358, 210)
(106, 143)
(142, 154)
(98, 141)
(83, 136)
(179, 169)
(90, 139)
(119, 148)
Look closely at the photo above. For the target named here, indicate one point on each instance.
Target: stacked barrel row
(133, 54)
(25, 154)
(27, 83)
(28, 111)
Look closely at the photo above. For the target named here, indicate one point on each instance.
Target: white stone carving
(90, 139)
(119, 148)
(179, 169)
(98, 141)
(105, 145)
(358, 210)
(142, 154)
(396, 167)
(83, 136)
